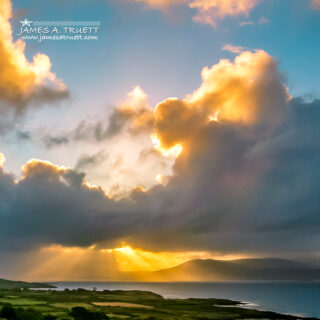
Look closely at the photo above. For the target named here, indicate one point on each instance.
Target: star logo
(25, 22)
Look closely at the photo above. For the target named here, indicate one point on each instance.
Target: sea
(296, 298)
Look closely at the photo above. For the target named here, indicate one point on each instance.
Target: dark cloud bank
(248, 183)
(235, 189)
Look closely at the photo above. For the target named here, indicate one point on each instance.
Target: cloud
(35, 168)
(239, 92)
(119, 154)
(46, 202)
(245, 180)
(233, 49)
(234, 183)
(264, 20)
(315, 4)
(162, 4)
(133, 113)
(211, 11)
(246, 23)
(87, 161)
(23, 82)
(134, 110)
(208, 11)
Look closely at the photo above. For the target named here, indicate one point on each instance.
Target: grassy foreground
(25, 304)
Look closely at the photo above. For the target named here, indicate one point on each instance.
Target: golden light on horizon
(136, 259)
(59, 263)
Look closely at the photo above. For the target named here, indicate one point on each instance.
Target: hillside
(235, 270)
(9, 284)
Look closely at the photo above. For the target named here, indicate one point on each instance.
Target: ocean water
(297, 298)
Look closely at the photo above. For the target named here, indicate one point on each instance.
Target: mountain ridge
(209, 270)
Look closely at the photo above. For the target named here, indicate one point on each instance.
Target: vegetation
(25, 304)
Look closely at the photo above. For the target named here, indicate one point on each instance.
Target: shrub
(80, 313)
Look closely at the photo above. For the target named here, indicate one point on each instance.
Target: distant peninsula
(9, 284)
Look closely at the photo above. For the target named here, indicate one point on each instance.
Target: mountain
(234, 270)
(9, 284)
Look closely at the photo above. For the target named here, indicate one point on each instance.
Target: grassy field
(127, 305)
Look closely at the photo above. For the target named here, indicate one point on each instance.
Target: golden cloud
(36, 167)
(247, 91)
(135, 107)
(22, 81)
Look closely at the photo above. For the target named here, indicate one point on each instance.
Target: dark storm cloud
(51, 205)
(237, 191)
(246, 180)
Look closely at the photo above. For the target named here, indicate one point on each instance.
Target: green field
(60, 305)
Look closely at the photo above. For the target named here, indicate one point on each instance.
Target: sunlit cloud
(36, 167)
(144, 141)
(226, 143)
(21, 81)
(229, 92)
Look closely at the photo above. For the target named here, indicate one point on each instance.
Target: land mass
(234, 270)
(80, 304)
(9, 284)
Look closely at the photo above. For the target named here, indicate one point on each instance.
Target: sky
(188, 129)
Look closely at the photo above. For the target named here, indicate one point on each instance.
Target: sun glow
(58, 263)
(2, 159)
(214, 117)
(172, 152)
(136, 259)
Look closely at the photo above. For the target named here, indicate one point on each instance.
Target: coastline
(133, 303)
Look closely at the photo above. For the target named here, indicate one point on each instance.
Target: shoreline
(281, 297)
